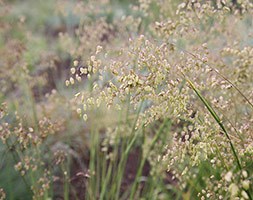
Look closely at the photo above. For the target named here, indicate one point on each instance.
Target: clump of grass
(126, 124)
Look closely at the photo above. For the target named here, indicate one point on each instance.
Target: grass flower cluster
(137, 99)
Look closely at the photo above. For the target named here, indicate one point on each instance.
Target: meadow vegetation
(117, 99)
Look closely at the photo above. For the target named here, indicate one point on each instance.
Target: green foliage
(115, 99)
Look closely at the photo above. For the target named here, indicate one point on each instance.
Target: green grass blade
(217, 119)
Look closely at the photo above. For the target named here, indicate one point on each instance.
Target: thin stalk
(66, 181)
(92, 164)
(218, 120)
(157, 136)
(97, 167)
(15, 159)
(220, 74)
(31, 100)
(128, 106)
(106, 181)
(126, 152)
